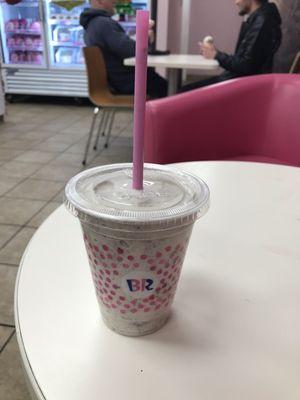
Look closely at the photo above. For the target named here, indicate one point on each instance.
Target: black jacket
(259, 39)
(102, 31)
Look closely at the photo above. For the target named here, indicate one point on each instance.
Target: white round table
(235, 329)
(175, 63)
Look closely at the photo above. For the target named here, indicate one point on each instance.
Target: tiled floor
(41, 147)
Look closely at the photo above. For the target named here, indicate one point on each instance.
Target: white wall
(218, 18)
(174, 26)
(162, 24)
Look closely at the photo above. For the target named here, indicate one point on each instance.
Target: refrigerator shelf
(31, 4)
(33, 63)
(128, 24)
(63, 22)
(24, 32)
(69, 66)
(22, 48)
(67, 44)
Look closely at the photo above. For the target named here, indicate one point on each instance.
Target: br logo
(138, 284)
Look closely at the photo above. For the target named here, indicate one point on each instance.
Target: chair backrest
(99, 90)
(254, 118)
(295, 68)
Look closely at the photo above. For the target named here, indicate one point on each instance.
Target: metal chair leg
(110, 128)
(101, 123)
(95, 112)
(104, 126)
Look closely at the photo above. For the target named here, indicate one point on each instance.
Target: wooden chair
(101, 96)
(295, 68)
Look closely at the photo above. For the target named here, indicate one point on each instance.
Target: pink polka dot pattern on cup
(110, 261)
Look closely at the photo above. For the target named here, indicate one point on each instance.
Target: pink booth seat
(249, 119)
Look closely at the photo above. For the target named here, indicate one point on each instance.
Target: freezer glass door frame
(23, 33)
(69, 21)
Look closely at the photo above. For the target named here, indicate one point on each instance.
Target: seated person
(259, 39)
(102, 31)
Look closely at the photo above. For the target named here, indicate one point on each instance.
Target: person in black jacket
(259, 39)
(102, 31)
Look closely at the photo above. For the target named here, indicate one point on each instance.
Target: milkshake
(136, 240)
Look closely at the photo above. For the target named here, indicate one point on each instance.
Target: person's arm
(119, 42)
(108, 34)
(246, 64)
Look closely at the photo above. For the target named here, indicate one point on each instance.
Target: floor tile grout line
(38, 125)
(114, 138)
(60, 153)
(7, 341)
(56, 131)
(43, 180)
(9, 265)
(25, 225)
(31, 198)
(23, 180)
(10, 239)
(37, 151)
(64, 151)
(11, 159)
(26, 198)
(31, 149)
(30, 175)
(52, 198)
(12, 188)
(28, 221)
(7, 325)
(6, 224)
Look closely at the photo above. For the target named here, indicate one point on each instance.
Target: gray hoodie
(102, 31)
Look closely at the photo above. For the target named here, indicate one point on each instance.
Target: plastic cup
(136, 240)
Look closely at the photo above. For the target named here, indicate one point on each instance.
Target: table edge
(236, 162)
(130, 63)
(32, 384)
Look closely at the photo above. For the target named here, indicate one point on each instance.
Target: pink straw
(140, 95)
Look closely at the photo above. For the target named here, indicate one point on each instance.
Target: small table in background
(174, 63)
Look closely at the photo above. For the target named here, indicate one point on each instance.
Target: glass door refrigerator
(41, 47)
(65, 35)
(22, 35)
(126, 11)
(42, 44)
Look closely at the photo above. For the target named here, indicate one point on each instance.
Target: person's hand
(151, 23)
(151, 33)
(208, 50)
